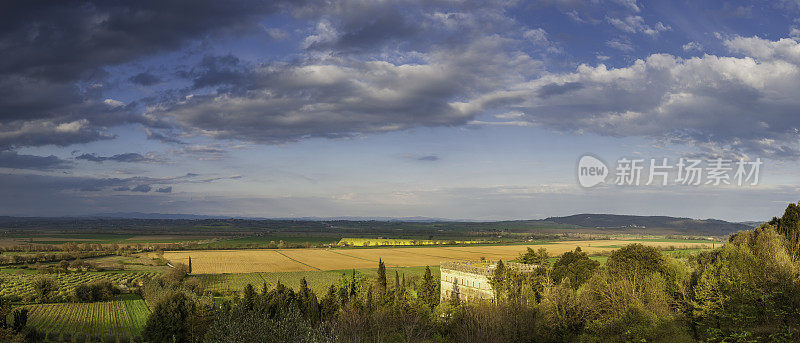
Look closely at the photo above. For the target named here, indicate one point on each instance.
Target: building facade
(469, 281)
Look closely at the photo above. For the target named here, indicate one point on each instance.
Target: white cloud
(737, 104)
(636, 24)
(692, 46)
(113, 103)
(631, 4)
(794, 33)
(620, 44)
(784, 49)
(325, 33)
(540, 38)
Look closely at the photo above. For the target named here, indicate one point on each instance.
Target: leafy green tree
(747, 288)
(789, 226)
(178, 273)
(171, 319)
(637, 296)
(575, 265)
(637, 259)
(539, 257)
(253, 326)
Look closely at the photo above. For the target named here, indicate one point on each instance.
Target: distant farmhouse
(469, 281)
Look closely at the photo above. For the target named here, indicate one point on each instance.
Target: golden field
(287, 260)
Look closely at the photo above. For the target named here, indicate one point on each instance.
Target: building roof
(484, 267)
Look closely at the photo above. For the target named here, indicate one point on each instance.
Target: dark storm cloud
(52, 185)
(372, 67)
(142, 188)
(334, 92)
(13, 160)
(145, 79)
(55, 54)
(164, 190)
(59, 40)
(558, 89)
(127, 157)
(363, 27)
(163, 136)
(219, 71)
(60, 51)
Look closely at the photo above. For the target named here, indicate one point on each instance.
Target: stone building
(470, 280)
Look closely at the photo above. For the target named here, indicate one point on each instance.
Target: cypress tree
(429, 293)
(369, 299)
(353, 285)
(381, 278)
(249, 298)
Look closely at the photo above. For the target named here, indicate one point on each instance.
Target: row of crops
(318, 281)
(124, 317)
(20, 286)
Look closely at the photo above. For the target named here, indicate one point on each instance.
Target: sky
(452, 109)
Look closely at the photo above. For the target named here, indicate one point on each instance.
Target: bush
(637, 324)
(96, 291)
(44, 286)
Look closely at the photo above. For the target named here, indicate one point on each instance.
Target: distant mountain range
(587, 222)
(653, 223)
(140, 215)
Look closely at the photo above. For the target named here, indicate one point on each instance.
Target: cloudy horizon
(447, 109)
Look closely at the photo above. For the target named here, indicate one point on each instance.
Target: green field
(318, 281)
(123, 317)
(674, 240)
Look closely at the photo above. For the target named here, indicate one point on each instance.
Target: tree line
(747, 290)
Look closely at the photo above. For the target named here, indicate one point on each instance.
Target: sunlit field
(290, 260)
(124, 317)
